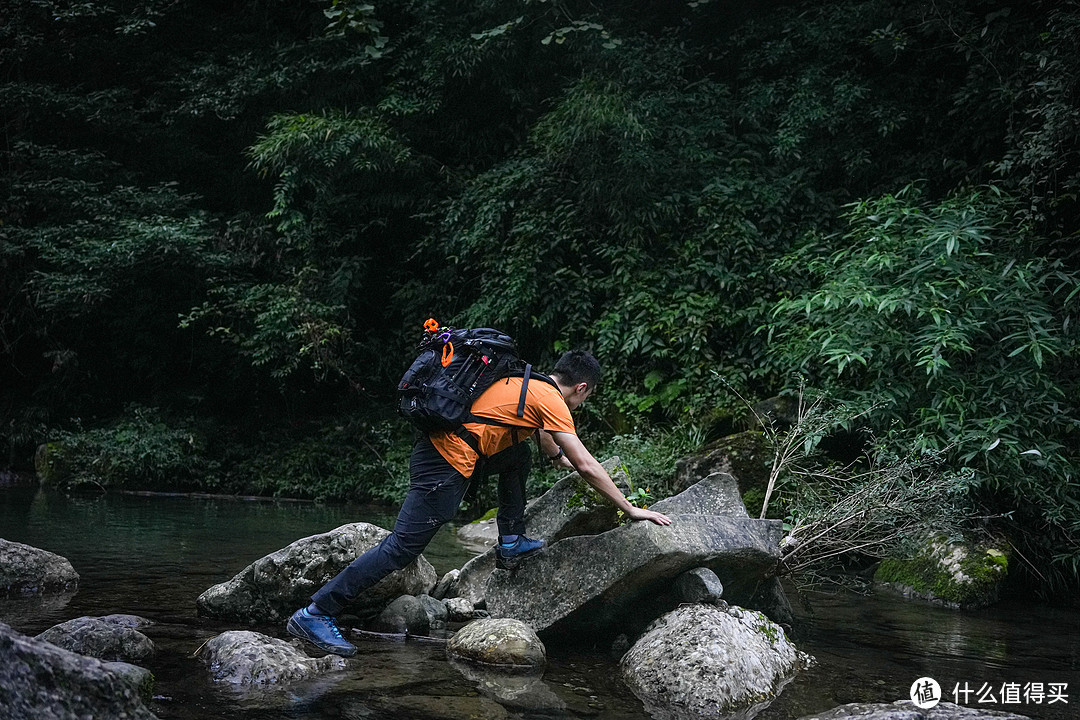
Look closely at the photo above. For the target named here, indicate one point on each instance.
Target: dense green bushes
(241, 216)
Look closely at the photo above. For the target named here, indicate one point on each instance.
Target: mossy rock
(51, 464)
(744, 455)
(964, 575)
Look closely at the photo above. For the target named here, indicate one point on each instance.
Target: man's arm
(595, 474)
(551, 450)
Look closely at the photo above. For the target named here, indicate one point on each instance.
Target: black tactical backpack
(453, 368)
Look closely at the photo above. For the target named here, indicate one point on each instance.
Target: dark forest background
(222, 226)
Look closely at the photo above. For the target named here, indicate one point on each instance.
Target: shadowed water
(153, 555)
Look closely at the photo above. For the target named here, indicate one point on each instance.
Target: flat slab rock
(242, 657)
(40, 680)
(273, 587)
(709, 662)
(27, 570)
(592, 586)
(111, 638)
(906, 710)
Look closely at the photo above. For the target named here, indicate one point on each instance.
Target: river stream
(152, 555)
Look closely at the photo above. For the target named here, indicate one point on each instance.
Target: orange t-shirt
(544, 408)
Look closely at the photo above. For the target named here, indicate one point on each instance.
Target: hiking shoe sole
(512, 563)
(296, 630)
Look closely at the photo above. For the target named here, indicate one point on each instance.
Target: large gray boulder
(571, 507)
(480, 534)
(503, 643)
(906, 710)
(40, 680)
(242, 657)
(411, 615)
(716, 494)
(703, 661)
(746, 455)
(273, 587)
(598, 586)
(109, 638)
(26, 570)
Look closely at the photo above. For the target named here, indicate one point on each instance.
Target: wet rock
(273, 587)
(493, 642)
(521, 692)
(40, 680)
(447, 585)
(702, 661)
(129, 621)
(771, 599)
(242, 657)
(103, 638)
(436, 612)
(906, 710)
(717, 494)
(481, 533)
(595, 587)
(472, 582)
(406, 614)
(26, 570)
(137, 678)
(960, 575)
(571, 507)
(699, 585)
(460, 609)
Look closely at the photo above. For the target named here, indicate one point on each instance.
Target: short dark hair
(578, 366)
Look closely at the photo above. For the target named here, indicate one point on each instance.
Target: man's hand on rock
(640, 514)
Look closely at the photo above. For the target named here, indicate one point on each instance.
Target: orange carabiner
(447, 357)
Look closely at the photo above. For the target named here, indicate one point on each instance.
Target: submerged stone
(242, 657)
(709, 662)
(27, 570)
(498, 642)
(110, 638)
(906, 710)
(40, 680)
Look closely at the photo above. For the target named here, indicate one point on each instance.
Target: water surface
(153, 555)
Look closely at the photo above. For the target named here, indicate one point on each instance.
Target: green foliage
(945, 317)
(353, 461)
(300, 182)
(140, 450)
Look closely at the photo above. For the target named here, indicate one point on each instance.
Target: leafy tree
(943, 314)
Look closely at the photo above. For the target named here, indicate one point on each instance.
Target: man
(440, 468)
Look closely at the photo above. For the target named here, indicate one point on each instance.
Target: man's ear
(581, 387)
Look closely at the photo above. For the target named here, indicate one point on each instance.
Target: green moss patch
(951, 574)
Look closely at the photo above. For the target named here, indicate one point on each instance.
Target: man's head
(577, 374)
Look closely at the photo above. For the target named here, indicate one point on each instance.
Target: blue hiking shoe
(507, 557)
(321, 631)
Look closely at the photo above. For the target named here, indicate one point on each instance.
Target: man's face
(580, 394)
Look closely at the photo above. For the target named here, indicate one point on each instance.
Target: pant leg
(435, 492)
(512, 466)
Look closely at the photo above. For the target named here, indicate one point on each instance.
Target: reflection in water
(514, 691)
(152, 556)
